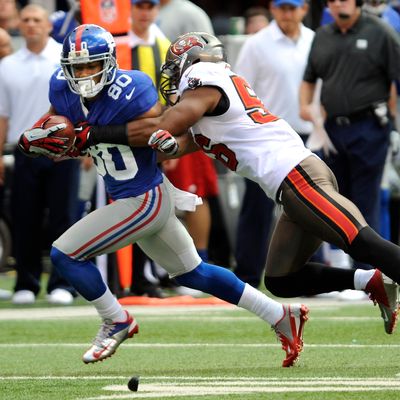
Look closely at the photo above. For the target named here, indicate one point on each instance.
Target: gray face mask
(89, 88)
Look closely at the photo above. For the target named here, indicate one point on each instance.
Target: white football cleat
(384, 292)
(289, 330)
(109, 337)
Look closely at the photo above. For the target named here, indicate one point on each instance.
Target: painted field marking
(89, 311)
(171, 386)
(202, 345)
(191, 387)
(187, 380)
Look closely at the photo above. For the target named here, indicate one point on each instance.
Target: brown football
(67, 132)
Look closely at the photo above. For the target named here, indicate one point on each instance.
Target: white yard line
(16, 313)
(220, 380)
(183, 388)
(154, 313)
(169, 386)
(203, 345)
(161, 392)
(89, 311)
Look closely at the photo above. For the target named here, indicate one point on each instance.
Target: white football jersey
(246, 138)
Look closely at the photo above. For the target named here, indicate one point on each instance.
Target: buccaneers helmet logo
(183, 45)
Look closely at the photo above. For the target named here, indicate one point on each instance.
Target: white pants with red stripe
(148, 219)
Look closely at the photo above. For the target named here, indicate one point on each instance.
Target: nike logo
(97, 354)
(80, 129)
(128, 96)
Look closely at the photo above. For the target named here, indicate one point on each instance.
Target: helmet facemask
(170, 77)
(87, 86)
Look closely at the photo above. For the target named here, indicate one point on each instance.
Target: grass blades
(207, 353)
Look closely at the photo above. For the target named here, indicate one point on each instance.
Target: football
(67, 132)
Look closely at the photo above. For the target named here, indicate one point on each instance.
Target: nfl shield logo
(108, 11)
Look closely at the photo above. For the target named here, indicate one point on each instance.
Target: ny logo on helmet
(184, 45)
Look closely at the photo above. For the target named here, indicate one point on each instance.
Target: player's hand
(39, 141)
(163, 141)
(82, 133)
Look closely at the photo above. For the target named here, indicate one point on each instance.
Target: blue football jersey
(127, 171)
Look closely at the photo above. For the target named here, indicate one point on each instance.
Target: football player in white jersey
(226, 119)
(90, 87)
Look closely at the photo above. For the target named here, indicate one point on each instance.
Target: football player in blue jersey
(90, 87)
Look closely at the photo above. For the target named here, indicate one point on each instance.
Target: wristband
(115, 134)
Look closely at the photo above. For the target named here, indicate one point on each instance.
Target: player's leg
(311, 200)
(288, 272)
(173, 248)
(102, 231)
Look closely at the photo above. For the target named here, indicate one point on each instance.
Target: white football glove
(163, 141)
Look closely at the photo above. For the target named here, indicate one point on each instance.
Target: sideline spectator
(5, 43)
(5, 50)
(37, 182)
(255, 18)
(9, 18)
(358, 58)
(388, 11)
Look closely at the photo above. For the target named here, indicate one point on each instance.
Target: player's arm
(176, 120)
(115, 134)
(307, 90)
(193, 105)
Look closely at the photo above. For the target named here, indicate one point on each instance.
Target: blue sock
(215, 280)
(82, 275)
(203, 253)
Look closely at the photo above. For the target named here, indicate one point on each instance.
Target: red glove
(39, 141)
(82, 133)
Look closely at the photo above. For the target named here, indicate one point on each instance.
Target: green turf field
(198, 353)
